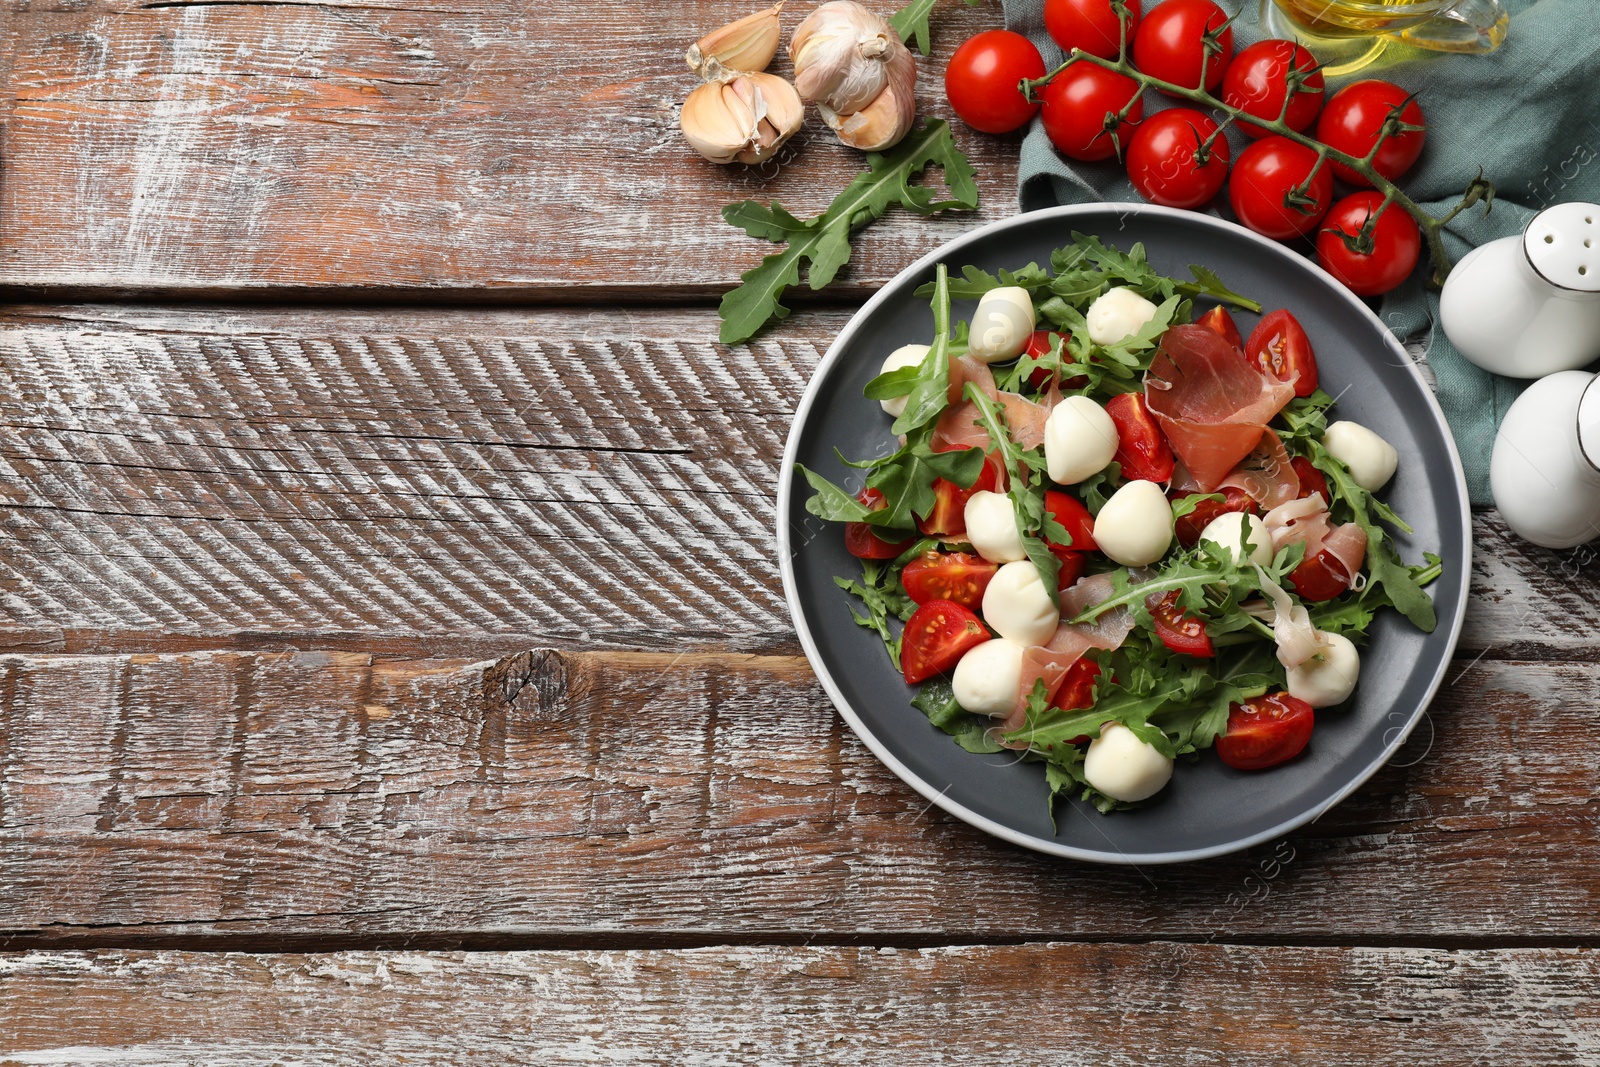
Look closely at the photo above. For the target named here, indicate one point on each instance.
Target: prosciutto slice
(1307, 521)
(1266, 474)
(958, 425)
(1212, 403)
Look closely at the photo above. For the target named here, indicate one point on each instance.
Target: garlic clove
(744, 118)
(745, 46)
(863, 79)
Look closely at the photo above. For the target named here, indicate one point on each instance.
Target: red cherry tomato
(949, 515)
(1188, 529)
(1262, 180)
(1218, 321)
(1265, 732)
(1039, 343)
(1089, 24)
(1352, 120)
(861, 539)
(1258, 80)
(936, 638)
(1396, 244)
(1311, 479)
(981, 79)
(1142, 448)
(1074, 517)
(955, 576)
(1279, 346)
(1072, 562)
(1077, 686)
(1319, 577)
(1077, 104)
(1163, 159)
(1180, 631)
(1170, 43)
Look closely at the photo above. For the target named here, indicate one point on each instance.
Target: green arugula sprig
(880, 590)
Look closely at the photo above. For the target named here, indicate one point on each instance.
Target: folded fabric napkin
(1527, 114)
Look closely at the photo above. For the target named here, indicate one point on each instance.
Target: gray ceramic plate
(1208, 809)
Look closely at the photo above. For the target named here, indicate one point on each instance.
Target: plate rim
(1117, 857)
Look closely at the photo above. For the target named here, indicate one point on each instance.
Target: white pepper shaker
(1545, 474)
(1529, 306)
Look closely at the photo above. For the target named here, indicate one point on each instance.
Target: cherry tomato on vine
(1164, 161)
(1170, 44)
(1266, 731)
(955, 576)
(1077, 104)
(1258, 80)
(1311, 479)
(1352, 120)
(1142, 448)
(1279, 346)
(935, 639)
(1396, 244)
(861, 539)
(981, 80)
(1180, 631)
(1219, 322)
(1088, 24)
(1262, 179)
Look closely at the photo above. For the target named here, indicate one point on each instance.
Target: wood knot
(533, 683)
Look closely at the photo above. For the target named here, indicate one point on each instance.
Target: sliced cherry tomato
(1142, 448)
(1039, 343)
(1089, 24)
(1265, 732)
(1070, 513)
(1279, 346)
(981, 79)
(1258, 80)
(1396, 244)
(1320, 577)
(1188, 529)
(936, 638)
(1079, 102)
(955, 576)
(1352, 120)
(949, 515)
(862, 540)
(1263, 179)
(1180, 631)
(1311, 479)
(1077, 688)
(1072, 562)
(1170, 44)
(1218, 321)
(1170, 163)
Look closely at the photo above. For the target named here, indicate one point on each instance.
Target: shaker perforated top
(1563, 245)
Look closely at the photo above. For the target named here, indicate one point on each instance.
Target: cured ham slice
(1307, 521)
(1052, 660)
(1266, 474)
(1212, 403)
(958, 425)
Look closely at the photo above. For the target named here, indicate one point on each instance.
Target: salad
(1114, 534)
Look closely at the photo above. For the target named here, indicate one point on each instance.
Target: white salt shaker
(1545, 473)
(1529, 306)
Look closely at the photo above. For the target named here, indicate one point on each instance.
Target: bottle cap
(1563, 245)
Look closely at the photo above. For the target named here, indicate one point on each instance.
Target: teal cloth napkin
(1528, 114)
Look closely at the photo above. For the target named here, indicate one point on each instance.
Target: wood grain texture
(497, 150)
(277, 800)
(1101, 1005)
(176, 479)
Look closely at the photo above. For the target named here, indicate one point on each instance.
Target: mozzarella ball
(1002, 324)
(1135, 526)
(1329, 677)
(1116, 315)
(1079, 440)
(1229, 531)
(1371, 459)
(904, 356)
(1017, 606)
(1123, 767)
(988, 677)
(992, 527)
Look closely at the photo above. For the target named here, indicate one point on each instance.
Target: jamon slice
(958, 425)
(1266, 474)
(1052, 660)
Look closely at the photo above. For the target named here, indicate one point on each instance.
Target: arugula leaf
(831, 502)
(824, 240)
(1305, 419)
(880, 590)
(938, 701)
(1207, 284)
(912, 20)
(1025, 490)
(906, 480)
(930, 390)
(975, 282)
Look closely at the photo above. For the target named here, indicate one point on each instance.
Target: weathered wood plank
(1041, 1003)
(285, 799)
(259, 477)
(499, 150)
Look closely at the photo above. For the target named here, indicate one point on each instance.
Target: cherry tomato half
(1188, 529)
(1077, 686)
(1279, 346)
(1219, 322)
(1396, 244)
(1319, 577)
(1072, 562)
(1074, 517)
(1258, 80)
(861, 539)
(1164, 159)
(955, 576)
(1088, 24)
(949, 515)
(1170, 44)
(1142, 448)
(1265, 732)
(1311, 479)
(1263, 178)
(1039, 343)
(936, 638)
(1352, 120)
(1180, 631)
(1079, 102)
(981, 79)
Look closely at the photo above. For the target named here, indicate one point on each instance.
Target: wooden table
(395, 662)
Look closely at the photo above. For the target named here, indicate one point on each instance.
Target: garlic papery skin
(745, 46)
(745, 118)
(854, 67)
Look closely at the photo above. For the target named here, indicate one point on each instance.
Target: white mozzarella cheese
(1135, 526)
(988, 676)
(1079, 440)
(992, 527)
(1229, 531)
(1002, 324)
(1123, 767)
(1371, 459)
(1117, 314)
(904, 356)
(1017, 606)
(1330, 676)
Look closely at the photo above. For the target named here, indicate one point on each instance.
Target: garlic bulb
(741, 47)
(853, 66)
(745, 118)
